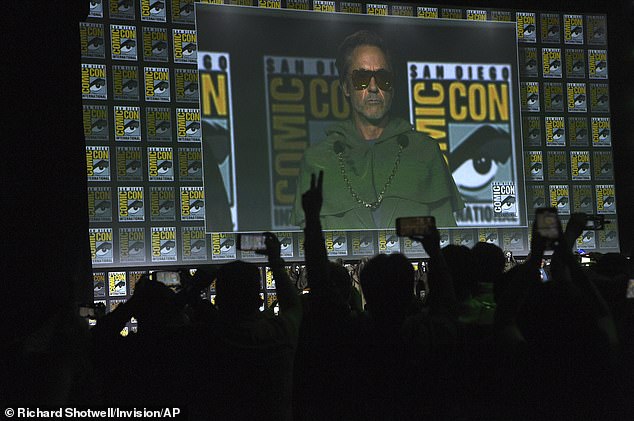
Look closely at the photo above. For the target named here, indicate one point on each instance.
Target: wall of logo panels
(143, 153)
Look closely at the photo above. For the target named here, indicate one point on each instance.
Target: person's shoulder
(325, 150)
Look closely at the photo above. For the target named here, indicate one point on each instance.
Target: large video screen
(274, 108)
(203, 121)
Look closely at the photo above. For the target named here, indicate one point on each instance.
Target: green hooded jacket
(422, 184)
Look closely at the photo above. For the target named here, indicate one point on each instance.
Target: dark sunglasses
(361, 79)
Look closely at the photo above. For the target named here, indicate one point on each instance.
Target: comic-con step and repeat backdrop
(197, 118)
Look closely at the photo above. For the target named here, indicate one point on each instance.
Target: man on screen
(377, 168)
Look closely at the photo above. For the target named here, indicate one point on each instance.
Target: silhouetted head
(461, 265)
(238, 288)
(388, 286)
(489, 262)
(341, 279)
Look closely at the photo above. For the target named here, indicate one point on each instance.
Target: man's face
(372, 103)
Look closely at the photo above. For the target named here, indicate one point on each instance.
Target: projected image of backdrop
(273, 112)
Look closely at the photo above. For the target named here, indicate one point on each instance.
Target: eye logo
(103, 249)
(159, 47)
(580, 100)
(94, 43)
(491, 238)
(99, 125)
(163, 127)
(130, 86)
(124, 5)
(606, 168)
(128, 46)
(194, 167)
(581, 134)
(191, 88)
(100, 166)
(602, 100)
(102, 207)
(608, 202)
(577, 66)
(157, 7)
(530, 65)
(555, 65)
(164, 167)
(584, 167)
(365, 242)
(587, 236)
(444, 240)
(560, 168)
(604, 134)
(198, 246)
(226, 245)
(161, 87)
(553, 31)
(196, 206)
(576, 32)
(391, 241)
(186, 9)
(339, 242)
(136, 247)
(529, 30)
(97, 84)
(189, 49)
(166, 206)
(131, 126)
(532, 99)
(539, 202)
(133, 166)
(598, 32)
(556, 100)
(99, 286)
(285, 243)
(135, 207)
(168, 247)
(558, 134)
(534, 134)
(536, 168)
(585, 202)
(562, 202)
(475, 162)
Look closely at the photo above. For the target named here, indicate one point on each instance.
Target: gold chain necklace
(380, 197)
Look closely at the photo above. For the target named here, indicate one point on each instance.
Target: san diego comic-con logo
(192, 203)
(91, 37)
(185, 50)
(131, 204)
(153, 11)
(190, 164)
(194, 244)
(526, 29)
(99, 204)
(504, 199)
(162, 204)
(100, 240)
(157, 84)
(125, 83)
(131, 245)
(155, 45)
(123, 42)
(122, 9)
(188, 125)
(98, 163)
(160, 164)
(129, 163)
(186, 82)
(164, 244)
(95, 121)
(93, 81)
(158, 124)
(127, 123)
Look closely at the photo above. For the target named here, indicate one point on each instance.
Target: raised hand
(312, 199)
